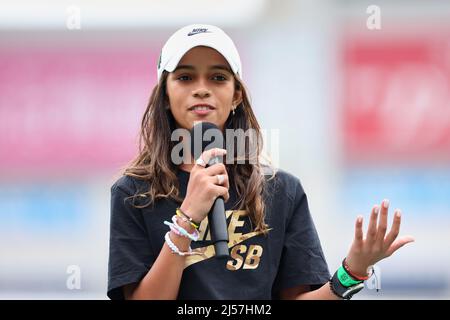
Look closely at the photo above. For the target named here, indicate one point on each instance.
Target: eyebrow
(190, 67)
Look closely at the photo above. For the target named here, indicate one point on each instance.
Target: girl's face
(202, 77)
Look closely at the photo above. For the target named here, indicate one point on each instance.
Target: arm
(303, 293)
(364, 252)
(163, 279)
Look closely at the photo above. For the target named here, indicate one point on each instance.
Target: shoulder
(128, 184)
(285, 183)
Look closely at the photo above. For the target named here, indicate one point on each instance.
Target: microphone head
(205, 136)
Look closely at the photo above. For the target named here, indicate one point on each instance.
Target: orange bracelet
(351, 274)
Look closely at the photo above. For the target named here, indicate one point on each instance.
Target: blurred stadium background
(361, 114)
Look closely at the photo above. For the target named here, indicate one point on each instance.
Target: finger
(212, 153)
(392, 235)
(204, 158)
(226, 182)
(382, 224)
(199, 163)
(215, 169)
(220, 192)
(372, 229)
(359, 229)
(398, 244)
(215, 181)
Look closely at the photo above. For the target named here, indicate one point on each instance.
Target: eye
(183, 78)
(220, 77)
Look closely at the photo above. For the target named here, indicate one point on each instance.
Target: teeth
(201, 108)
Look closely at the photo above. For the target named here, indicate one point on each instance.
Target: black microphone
(206, 136)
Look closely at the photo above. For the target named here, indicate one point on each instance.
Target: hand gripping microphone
(205, 136)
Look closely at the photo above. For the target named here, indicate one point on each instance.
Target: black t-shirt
(258, 267)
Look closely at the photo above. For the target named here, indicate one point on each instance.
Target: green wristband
(345, 279)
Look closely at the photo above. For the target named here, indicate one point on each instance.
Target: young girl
(160, 242)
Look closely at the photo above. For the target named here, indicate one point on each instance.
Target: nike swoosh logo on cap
(197, 31)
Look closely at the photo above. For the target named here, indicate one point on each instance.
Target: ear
(237, 97)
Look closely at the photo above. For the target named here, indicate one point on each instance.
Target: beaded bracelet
(175, 230)
(175, 249)
(193, 236)
(181, 230)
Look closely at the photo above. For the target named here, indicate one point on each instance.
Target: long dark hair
(155, 139)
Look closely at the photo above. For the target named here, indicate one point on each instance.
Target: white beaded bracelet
(175, 249)
(194, 236)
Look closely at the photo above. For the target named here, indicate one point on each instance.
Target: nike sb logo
(242, 256)
(197, 31)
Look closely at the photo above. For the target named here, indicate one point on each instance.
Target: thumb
(397, 244)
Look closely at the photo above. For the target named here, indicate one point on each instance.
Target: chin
(206, 119)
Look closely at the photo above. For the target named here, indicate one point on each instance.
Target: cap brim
(173, 62)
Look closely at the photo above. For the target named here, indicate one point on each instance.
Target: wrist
(343, 285)
(356, 272)
(189, 213)
(176, 246)
(186, 225)
(182, 242)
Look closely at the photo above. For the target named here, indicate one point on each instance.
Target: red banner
(396, 98)
(72, 109)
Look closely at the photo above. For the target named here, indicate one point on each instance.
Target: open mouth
(201, 107)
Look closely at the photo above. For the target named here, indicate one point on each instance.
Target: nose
(201, 91)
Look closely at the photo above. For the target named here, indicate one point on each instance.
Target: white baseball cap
(195, 35)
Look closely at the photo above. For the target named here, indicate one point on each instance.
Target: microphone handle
(218, 224)
(218, 227)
